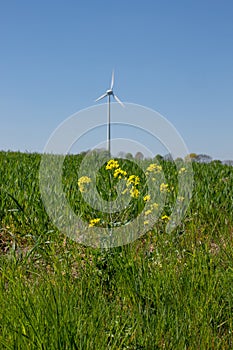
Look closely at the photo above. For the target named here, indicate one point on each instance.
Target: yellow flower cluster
(82, 182)
(112, 164)
(146, 198)
(134, 192)
(164, 187)
(133, 180)
(93, 222)
(153, 168)
(165, 217)
(182, 170)
(148, 212)
(118, 173)
(154, 206)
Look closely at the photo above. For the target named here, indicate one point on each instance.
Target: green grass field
(162, 291)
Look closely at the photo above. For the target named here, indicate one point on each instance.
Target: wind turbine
(110, 93)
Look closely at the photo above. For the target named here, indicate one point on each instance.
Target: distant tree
(139, 156)
(121, 154)
(192, 157)
(100, 153)
(216, 162)
(129, 155)
(158, 158)
(204, 158)
(168, 157)
(148, 159)
(228, 162)
(83, 153)
(179, 159)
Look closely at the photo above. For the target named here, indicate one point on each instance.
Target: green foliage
(160, 292)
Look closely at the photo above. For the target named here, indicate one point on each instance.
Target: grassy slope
(160, 292)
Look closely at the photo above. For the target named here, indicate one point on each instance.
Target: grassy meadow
(161, 291)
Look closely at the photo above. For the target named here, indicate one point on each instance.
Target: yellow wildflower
(119, 173)
(182, 170)
(180, 198)
(164, 187)
(82, 182)
(133, 179)
(134, 192)
(154, 206)
(154, 168)
(148, 212)
(146, 222)
(165, 217)
(146, 198)
(125, 191)
(84, 179)
(93, 222)
(112, 164)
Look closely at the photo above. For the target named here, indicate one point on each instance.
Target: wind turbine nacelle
(109, 92)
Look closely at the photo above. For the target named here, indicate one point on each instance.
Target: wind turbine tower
(108, 94)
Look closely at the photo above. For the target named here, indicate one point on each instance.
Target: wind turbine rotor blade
(119, 101)
(112, 81)
(102, 96)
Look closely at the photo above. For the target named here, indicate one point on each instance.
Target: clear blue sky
(175, 57)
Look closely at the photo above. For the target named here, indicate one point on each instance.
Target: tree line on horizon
(194, 157)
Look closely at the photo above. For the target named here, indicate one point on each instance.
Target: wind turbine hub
(109, 92)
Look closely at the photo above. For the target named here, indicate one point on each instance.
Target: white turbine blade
(112, 81)
(102, 96)
(119, 101)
